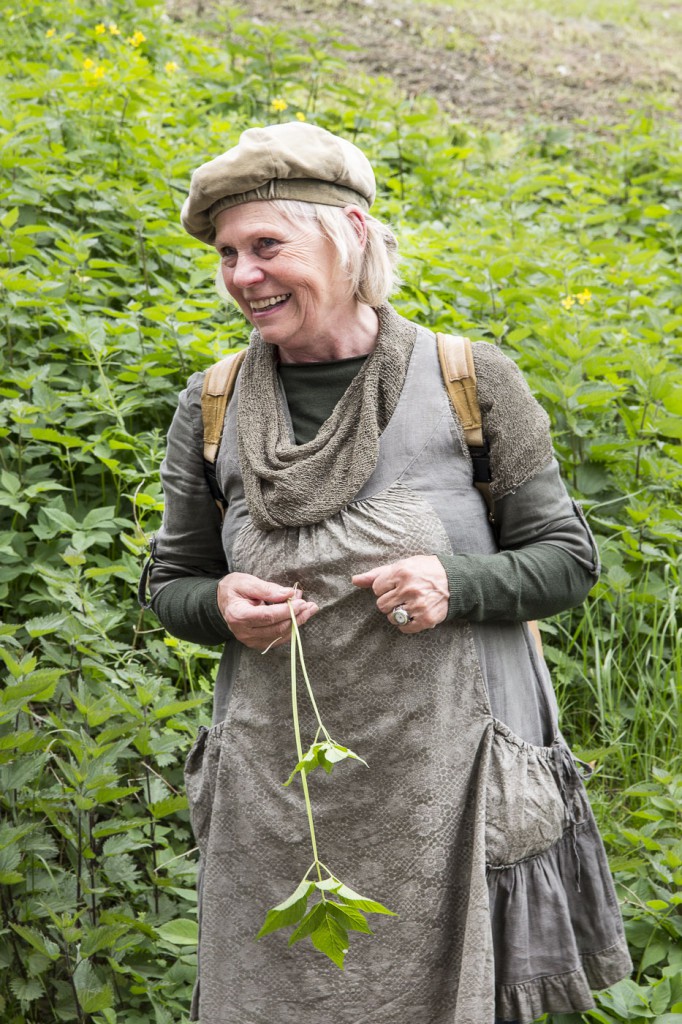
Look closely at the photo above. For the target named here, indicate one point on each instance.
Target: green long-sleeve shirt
(532, 582)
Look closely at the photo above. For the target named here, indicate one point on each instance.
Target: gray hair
(371, 271)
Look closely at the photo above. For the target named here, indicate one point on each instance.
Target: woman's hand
(257, 612)
(418, 584)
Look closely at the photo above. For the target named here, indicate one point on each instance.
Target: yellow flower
(114, 29)
(584, 296)
(278, 105)
(100, 29)
(50, 32)
(136, 38)
(568, 301)
(98, 73)
(170, 67)
(88, 64)
(300, 116)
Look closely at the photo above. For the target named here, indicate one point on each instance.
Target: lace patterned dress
(471, 821)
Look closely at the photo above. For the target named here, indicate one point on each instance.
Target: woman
(345, 472)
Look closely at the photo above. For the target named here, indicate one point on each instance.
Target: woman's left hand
(418, 584)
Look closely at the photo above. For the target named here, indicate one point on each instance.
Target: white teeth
(264, 303)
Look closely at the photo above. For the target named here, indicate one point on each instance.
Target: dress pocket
(201, 770)
(526, 808)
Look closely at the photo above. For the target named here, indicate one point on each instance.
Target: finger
(254, 589)
(259, 638)
(381, 580)
(388, 601)
(364, 580)
(265, 617)
(369, 578)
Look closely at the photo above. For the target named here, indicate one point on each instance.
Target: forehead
(249, 220)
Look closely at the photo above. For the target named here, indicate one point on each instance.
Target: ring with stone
(401, 616)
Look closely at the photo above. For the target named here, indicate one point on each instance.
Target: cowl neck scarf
(286, 484)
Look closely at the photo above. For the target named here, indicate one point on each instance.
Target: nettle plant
(338, 909)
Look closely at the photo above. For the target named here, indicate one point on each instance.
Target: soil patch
(495, 66)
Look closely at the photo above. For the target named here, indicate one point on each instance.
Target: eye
(228, 255)
(267, 247)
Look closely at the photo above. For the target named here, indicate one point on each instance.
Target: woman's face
(285, 278)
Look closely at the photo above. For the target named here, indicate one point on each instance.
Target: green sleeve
(515, 585)
(547, 561)
(188, 608)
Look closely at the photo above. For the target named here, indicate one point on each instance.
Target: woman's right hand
(257, 612)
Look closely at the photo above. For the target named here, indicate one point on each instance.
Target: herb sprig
(338, 909)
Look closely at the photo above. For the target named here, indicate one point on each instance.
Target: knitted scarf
(294, 485)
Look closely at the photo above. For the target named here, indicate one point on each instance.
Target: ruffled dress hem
(564, 993)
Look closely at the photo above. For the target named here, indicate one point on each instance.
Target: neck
(353, 335)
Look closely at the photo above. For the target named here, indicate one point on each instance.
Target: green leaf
(653, 954)
(348, 917)
(288, 912)
(49, 434)
(661, 995)
(26, 989)
(182, 932)
(39, 941)
(353, 899)
(310, 922)
(331, 938)
(169, 805)
(44, 624)
(102, 937)
(9, 219)
(93, 994)
(324, 755)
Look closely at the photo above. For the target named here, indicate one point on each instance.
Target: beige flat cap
(295, 160)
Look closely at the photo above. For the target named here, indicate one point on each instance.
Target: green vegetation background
(560, 244)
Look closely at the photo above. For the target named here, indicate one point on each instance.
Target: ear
(358, 219)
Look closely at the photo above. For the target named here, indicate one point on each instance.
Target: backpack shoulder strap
(219, 381)
(459, 376)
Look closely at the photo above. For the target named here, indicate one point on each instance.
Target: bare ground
(496, 63)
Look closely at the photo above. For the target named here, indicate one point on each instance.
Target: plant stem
(297, 732)
(297, 637)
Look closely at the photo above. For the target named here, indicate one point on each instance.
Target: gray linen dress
(471, 821)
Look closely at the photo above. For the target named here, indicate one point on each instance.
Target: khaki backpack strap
(459, 376)
(219, 381)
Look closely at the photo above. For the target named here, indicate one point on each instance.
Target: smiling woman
(349, 504)
(285, 278)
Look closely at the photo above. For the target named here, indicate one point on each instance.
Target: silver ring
(401, 616)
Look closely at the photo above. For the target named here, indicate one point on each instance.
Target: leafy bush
(560, 245)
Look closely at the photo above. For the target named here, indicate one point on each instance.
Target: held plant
(339, 909)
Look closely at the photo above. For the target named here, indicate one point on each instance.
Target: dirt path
(497, 62)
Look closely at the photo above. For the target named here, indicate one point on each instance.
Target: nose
(246, 271)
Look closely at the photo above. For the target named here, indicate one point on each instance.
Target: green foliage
(560, 244)
(328, 922)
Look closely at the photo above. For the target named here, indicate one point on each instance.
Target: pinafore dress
(471, 821)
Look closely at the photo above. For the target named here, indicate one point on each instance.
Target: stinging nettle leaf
(182, 932)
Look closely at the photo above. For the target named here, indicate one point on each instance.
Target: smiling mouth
(265, 305)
